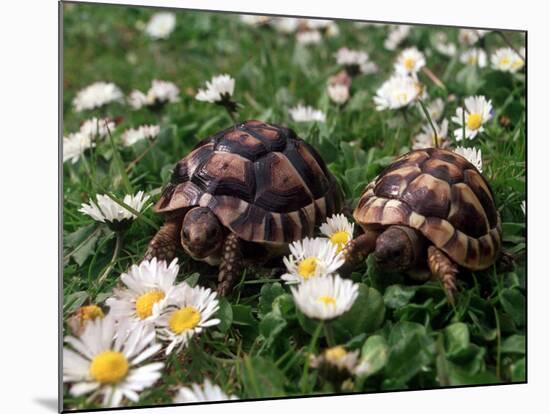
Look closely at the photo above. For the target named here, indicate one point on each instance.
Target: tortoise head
(399, 248)
(201, 233)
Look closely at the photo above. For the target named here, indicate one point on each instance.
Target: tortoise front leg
(231, 264)
(164, 244)
(443, 269)
(356, 250)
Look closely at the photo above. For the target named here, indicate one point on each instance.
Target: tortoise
(429, 207)
(241, 196)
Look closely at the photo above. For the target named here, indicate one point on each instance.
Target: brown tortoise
(432, 207)
(241, 195)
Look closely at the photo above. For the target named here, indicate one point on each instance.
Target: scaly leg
(443, 269)
(356, 250)
(164, 244)
(231, 264)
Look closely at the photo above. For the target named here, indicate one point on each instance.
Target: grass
(407, 331)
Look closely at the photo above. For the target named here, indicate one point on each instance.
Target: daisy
(161, 25)
(96, 95)
(307, 37)
(220, 88)
(202, 393)
(316, 24)
(74, 146)
(435, 109)
(425, 139)
(325, 297)
(97, 128)
(147, 289)
(336, 362)
(470, 37)
(473, 155)
(253, 20)
(474, 57)
(443, 46)
(78, 320)
(106, 210)
(311, 258)
(303, 113)
(396, 35)
(109, 361)
(478, 112)
(338, 93)
(409, 62)
(506, 60)
(339, 230)
(285, 25)
(133, 135)
(355, 61)
(332, 30)
(397, 92)
(160, 93)
(187, 311)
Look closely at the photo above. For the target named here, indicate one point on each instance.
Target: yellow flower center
(339, 239)
(472, 59)
(307, 267)
(90, 312)
(474, 121)
(109, 367)
(184, 319)
(327, 300)
(335, 353)
(504, 61)
(144, 304)
(409, 63)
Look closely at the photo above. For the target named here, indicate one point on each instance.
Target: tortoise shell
(441, 194)
(262, 182)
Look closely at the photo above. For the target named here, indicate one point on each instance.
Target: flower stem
(329, 334)
(140, 156)
(312, 344)
(111, 265)
(435, 138)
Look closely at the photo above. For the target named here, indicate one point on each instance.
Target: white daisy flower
(396, 35)
(474, 57)
(219, 88)
(79, 319)
(253, 20)
(397, 92)
(96, 95)
(506, 60)
(338, 93)
(285, 25)
(325, 297)
(317, 24)
(97, 128)
(473, 155)
(443, 46)
(202, 393)
(425, 139)
(108, 360)
(478, 112)
(187, 311)
(332, 30)
(303, 113)
(410, 61)
(435, 109)
(74, 146)
(355, 60)
(339, 230)
(161, 25)
(106, 210)
(133, 135)
(160, 93)
(336, 359)
(311, 258)
(469, 37)
(308, 37)
(147, 290)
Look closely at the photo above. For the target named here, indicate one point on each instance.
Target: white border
(29, 205)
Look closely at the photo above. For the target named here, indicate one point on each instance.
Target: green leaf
(74, 301)
(284, 306)
(513, 303)
(242, 315)
(365, 316)
(514, 344)
(271, 326)
(193, 279)
(518, 371)
(397, 296)
(457, 338)
(225, 315)
(268, 293)
(374, 353)
(82, 243)
(261, 378)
